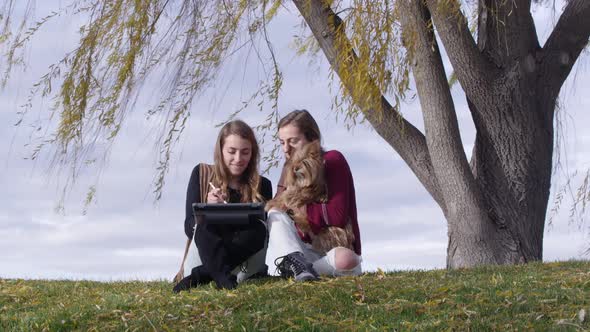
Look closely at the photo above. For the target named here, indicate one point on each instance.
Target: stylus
(213, 187)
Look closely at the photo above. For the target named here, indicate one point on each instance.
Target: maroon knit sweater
(341, 203)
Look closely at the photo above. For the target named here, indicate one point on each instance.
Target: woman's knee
(345, 259)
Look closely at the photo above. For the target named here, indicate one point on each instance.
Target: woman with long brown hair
(233, 178)
(327, 241)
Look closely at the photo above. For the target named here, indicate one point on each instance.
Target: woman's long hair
(250, 179)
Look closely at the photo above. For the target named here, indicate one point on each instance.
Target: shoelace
(296, 265)
(281, 269)
(244, 267)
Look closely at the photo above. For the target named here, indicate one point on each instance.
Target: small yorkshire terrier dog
(306, 183)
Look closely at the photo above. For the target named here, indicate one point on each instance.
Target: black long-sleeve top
(193, 195)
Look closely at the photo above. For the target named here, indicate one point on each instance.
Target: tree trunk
(512, 156)
(516, 205)
(511, 85)
(473, 237)
(495, 205)
(512, 162)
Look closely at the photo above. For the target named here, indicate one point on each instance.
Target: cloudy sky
(124, 235)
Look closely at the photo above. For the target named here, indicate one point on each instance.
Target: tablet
(230, 213)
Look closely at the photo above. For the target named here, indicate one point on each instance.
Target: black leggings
(223, 247)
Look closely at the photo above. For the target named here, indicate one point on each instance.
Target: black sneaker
(227, 281)
(182, 285)
(197, 277)
(294, 265)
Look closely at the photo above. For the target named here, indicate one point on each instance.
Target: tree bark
(514, 114)
(474, 236)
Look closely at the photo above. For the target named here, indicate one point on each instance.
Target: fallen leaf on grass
(290, 282)
(548, 301)
(469, 313)
(360, 293)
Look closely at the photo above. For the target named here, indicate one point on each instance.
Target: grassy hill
(553, 296)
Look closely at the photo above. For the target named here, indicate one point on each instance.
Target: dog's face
(305, 182)
(305, 171)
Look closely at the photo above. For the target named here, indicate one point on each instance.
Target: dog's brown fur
(305, 182)
(332, 237)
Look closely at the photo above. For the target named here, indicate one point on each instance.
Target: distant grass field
(535, 297)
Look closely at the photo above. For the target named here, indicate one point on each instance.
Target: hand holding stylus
(215, 195)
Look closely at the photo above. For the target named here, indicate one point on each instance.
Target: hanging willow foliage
(126, 42)
(123, 44)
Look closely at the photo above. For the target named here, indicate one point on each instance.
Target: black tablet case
(230, 213)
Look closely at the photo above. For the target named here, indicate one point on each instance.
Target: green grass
(528, 297)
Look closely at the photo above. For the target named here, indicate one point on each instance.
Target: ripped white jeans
(283, 240)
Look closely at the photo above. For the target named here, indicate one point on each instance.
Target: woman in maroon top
(288, 248)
